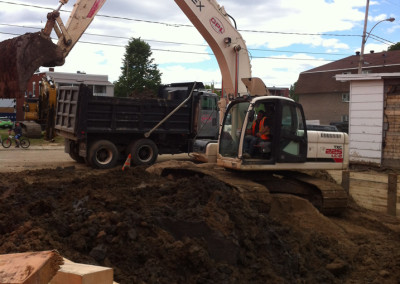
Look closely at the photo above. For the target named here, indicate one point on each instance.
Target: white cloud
(287, 21)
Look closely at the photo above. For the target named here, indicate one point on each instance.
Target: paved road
(41, 157)
(35, 157)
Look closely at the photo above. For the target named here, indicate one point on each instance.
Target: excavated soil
(152, 229)
(21, 57)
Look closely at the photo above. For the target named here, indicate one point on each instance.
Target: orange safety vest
(253, 128)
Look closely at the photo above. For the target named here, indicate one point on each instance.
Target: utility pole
(361, 61)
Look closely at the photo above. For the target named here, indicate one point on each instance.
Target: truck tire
(103, 154)
(143, 152)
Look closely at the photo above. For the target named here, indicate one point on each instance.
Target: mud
(21, 57)
(152, 229)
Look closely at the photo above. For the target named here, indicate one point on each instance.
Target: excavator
(39, 113)
(277, 165)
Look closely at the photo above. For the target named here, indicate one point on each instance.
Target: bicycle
(23, 142)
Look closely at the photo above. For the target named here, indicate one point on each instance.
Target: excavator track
(328, 197)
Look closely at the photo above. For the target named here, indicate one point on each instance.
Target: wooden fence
(371, 190)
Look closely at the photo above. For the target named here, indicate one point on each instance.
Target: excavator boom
(81, 17)
(228, 46)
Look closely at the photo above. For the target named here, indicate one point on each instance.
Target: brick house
(325, 99)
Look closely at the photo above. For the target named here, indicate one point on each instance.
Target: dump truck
(102, 130)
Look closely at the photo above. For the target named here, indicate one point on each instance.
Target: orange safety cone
(127, 163)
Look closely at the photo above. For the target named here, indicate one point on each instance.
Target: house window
(345, 97)
(34, 89)
(99, 90)
(366, 71)
(348, 72)
(345, 118)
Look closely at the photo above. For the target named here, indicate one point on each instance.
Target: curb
(34, 147)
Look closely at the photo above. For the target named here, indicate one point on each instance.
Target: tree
(394, 47)
(139, 73)
(292, 92)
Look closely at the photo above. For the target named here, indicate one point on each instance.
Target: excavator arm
(209, 18)
(81, 17)
(229, 48)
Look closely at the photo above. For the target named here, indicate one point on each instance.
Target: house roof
(379, 59)
(322, 79)
(77, 78)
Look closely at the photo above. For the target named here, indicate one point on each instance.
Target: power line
(190, 52)
(378, 38)
(184, 25)
(192, 44)
(292, 33)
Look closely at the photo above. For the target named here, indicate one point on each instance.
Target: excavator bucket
(21, 57)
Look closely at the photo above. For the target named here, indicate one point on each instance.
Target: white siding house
(368, 121)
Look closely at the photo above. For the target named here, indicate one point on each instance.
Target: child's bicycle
(23, 141)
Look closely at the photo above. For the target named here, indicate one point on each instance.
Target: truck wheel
(143, 151)
(103, 154)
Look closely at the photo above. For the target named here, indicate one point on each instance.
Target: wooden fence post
(392, 194)
(346, 181)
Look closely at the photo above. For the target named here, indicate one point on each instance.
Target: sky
(283, 37)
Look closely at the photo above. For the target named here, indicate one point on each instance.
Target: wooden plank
(367, 114)
(365, 190)
(369, 176)
(366, 98)
(366, 106)
(367, 154)
(371, 201)
(77, 273)
(366, 138)
(362, 145)
(392, 112)
(367, 129)
(362, 121)
(368, 89)
(29, 267)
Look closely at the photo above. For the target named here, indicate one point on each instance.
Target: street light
(364, 39)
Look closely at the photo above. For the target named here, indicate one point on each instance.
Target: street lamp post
(364, 37)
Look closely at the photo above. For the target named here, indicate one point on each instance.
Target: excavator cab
(286, 142)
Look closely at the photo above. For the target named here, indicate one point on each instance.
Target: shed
(374, 118)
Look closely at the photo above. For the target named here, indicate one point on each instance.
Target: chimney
(357, 53)
(372, 51)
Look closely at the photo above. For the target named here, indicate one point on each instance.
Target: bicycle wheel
(6, 143)
(24, 142)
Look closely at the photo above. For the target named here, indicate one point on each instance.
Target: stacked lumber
(48, 267)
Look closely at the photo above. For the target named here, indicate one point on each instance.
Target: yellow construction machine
(39, 113)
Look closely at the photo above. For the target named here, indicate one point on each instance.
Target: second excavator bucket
(21, 57)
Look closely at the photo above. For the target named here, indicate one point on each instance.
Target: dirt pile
(152, 229)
